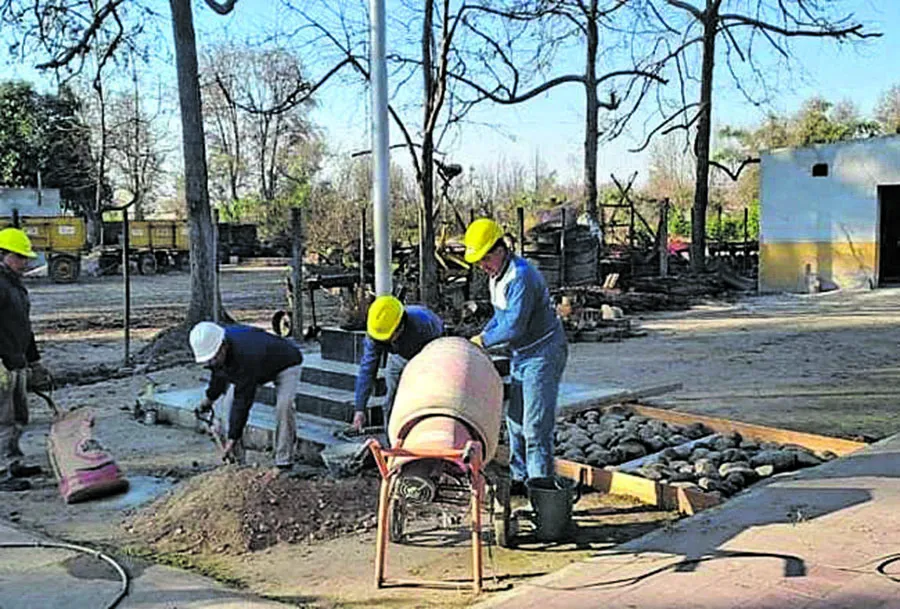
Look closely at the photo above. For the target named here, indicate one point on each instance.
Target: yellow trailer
(62, 239)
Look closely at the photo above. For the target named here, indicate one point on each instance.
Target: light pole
(380, 154)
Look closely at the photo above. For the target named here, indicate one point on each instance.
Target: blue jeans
(531, 416)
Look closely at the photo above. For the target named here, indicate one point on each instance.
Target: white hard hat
(206, 338)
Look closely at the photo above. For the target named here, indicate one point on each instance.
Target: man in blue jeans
(525, 320)
(399, 331)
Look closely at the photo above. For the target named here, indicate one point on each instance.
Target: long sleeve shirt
(254, 357)
(523, 312)
(17, 346)
(420, 327)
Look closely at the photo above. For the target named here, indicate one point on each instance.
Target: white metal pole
(380, 151)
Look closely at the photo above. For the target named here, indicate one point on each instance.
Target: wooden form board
(690, 501)
(761, 433)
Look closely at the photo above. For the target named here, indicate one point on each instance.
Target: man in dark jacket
(18, 353)
(242, 358)
(399, 331)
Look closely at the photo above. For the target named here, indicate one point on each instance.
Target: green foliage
(679, 222)
(42, 132)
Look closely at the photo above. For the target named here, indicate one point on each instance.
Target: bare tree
(260, 126)
(541, 28)
(426, 45)
(136, 149)
(888, 110)
(741, 25)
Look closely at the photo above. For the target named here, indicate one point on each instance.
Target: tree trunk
(592, 108)
(195, 177)
(702, 141)
(428, 272)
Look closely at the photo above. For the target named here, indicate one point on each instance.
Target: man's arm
(244, 392)
(368, 372)
(512, 322)
(217, 385)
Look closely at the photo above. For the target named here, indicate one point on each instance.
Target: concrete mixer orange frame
(390, 461)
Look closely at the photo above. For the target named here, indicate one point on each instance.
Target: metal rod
(362, 248)
(297, 273)
(15, 218)
(126, 279)
(380, 156)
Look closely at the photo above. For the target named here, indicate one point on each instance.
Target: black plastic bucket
(552, 499)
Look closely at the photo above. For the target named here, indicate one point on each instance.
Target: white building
(830, 214)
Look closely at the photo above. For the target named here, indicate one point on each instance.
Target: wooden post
(631, 252)
(215, 258)
(15, 218)
(126, 279)
(297, 273)
(520, 221)
(663, 237)
(746, 265)
(562, 250)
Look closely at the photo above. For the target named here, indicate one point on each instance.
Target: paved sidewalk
(811, 540)
(43, 578)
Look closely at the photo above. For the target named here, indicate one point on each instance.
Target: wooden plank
(813, 442)
(614, 483)
(621, 397)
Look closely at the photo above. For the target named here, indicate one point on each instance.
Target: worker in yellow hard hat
(401, 332)
(19, 357)
(524, 320)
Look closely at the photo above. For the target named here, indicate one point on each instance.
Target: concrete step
(320, 400)
(313, 432)
(331, 373)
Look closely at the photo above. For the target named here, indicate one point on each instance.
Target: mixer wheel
(397, 520)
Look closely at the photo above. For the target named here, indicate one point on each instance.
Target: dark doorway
(889, 237)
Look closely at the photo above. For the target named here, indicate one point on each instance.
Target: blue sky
(551, 125)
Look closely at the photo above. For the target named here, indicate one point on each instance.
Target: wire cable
(123, 576)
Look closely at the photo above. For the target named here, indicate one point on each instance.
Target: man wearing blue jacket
(399, 331)
(525, 321)
(242, 358)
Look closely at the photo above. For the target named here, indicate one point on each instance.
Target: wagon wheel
(147, 264)
(397, 520)
(64, 269)
(282, 323)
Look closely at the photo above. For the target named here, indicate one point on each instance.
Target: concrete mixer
(444, 428)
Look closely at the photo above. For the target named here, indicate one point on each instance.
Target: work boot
(14, 485)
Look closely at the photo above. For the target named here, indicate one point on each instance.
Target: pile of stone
(690, 456)
(617, 435)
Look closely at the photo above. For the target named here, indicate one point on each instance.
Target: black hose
(68, 546)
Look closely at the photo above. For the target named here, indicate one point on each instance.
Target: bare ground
(824, 364)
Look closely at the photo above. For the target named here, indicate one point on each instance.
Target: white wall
(794, 206)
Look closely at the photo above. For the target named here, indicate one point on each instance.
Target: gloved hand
(478, 341)
(359, 420)
(205, 406)
(39, 378)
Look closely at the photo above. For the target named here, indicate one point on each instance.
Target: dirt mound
(235, 510)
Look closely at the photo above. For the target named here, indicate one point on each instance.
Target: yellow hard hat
(385, 314)
(480, 237)
(16, 241)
